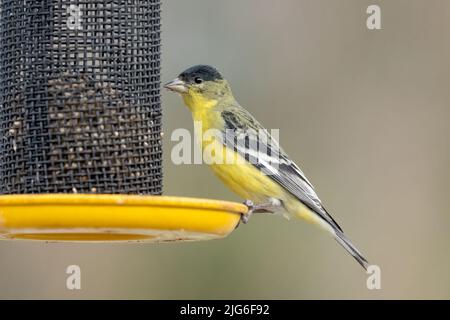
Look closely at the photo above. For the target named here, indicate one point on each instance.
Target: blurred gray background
(366, 114)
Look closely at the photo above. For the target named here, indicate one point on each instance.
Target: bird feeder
(80, 127)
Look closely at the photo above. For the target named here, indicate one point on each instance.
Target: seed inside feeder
(85, 123)
(77, 106)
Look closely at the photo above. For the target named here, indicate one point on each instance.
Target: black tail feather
(345, 242)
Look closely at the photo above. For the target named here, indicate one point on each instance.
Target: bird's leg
(256, 208)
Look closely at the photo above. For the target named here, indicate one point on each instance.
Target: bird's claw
(257, 208)
(251, 207)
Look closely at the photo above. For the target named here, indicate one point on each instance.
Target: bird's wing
(249, 138)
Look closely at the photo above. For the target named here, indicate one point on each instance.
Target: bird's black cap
(206, 73)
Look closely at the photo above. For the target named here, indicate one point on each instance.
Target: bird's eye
(198, 80)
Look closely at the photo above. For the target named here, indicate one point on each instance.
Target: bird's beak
(177, 85)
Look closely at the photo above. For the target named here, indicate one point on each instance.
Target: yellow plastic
(122, 218)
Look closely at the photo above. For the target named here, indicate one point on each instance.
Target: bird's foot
(246, 216)
(255, 208)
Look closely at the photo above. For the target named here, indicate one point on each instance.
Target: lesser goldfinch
(268, 181)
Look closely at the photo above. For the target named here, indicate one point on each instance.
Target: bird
(269, 181)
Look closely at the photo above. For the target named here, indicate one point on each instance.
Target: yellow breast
(239, 175)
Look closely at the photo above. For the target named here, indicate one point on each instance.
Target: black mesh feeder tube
(79, 97)
(80, 127)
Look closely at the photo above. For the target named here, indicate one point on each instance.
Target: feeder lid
(123, 218)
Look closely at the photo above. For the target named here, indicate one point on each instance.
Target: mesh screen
(79, 96)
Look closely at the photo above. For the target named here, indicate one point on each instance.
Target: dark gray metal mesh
(79, 96)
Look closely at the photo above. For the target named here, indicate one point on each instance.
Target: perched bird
(269, 180)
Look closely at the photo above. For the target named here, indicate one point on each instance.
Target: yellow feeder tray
(118, 218)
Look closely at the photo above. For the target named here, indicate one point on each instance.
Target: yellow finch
(268, 180)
